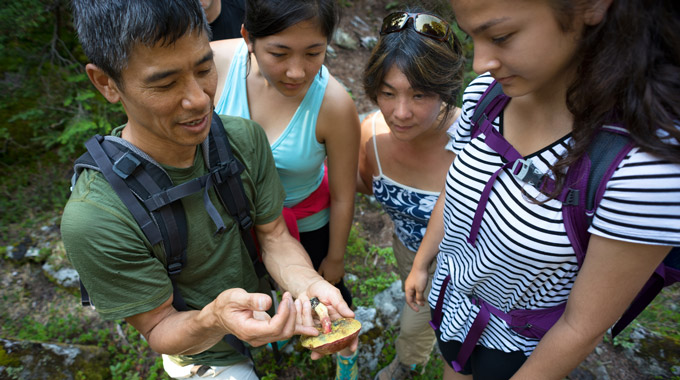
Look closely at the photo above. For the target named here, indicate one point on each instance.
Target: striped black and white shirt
(522, 258)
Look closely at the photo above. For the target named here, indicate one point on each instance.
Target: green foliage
(31, 192)
(363, 261)
(46, 100)
(393, 5)
(660, 317)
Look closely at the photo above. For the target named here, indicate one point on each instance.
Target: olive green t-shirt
(125, 275)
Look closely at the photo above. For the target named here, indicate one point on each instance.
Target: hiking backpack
(584, 187)
(155, 202)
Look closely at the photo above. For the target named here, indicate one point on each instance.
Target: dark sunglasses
(423, 23)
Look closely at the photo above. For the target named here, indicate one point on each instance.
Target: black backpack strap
(141, 216)
(227, 171)
(609, 147)
(148, 192)
(139, 181)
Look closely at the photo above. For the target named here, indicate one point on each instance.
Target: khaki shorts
(239, 371)
(416, 338)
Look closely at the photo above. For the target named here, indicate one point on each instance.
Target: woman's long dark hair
(629, 75)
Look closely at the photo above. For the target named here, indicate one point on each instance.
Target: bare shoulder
(223, 51)
(337, 108)
(373, 119)
(336, 99)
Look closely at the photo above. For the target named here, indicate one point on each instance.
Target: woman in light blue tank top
(275, 76)
(415, 80)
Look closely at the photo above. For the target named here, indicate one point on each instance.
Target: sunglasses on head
(423, 23)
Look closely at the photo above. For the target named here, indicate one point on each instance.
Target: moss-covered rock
(53, 361)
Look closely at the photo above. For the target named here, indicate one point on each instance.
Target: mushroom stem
(322, 311)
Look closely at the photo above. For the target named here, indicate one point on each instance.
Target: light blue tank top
(298, 155)
(409, 208)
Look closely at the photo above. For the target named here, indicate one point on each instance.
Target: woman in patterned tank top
(415, 78)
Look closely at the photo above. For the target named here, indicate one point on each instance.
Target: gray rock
(43, 361)
(390, 302)
(368, 42)
(345, 40)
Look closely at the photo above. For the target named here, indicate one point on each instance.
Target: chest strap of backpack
(154, 202)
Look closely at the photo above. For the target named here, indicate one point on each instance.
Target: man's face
(168, 94)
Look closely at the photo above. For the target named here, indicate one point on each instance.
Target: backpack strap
(226, 172)
(143, 187)
(586, 182)
(226, 176)
(609, 147)
(148, 192)
(488, 107)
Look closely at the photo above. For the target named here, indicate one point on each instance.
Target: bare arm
(366, 157)
(243, 314)
(289, 265)
(234, 311)
(416, 282)
(338, 128)
(612, 275)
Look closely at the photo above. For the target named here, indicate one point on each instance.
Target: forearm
(429, 246)
(600, 295)
(288, 263)
(561, 350)
(179, 333)
(341, 216)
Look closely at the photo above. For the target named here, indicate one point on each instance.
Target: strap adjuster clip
(525, 171)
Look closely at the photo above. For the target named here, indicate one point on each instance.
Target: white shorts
(239, 371)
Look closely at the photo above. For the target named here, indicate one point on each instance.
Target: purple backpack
(584, 187)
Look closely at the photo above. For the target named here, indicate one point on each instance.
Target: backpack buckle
(125, 165)
(525, 171)
(572, 198)
(174, 269)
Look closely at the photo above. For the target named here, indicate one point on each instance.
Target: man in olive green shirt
(155, 58)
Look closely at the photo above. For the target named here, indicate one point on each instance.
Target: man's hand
(330, 296)
(244, 315)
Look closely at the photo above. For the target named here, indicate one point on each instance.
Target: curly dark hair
(629, 75)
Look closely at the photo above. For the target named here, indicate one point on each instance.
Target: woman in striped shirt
(511, 251)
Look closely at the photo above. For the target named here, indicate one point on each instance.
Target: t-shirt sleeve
(460, 131)
(641, 202)
(107, 248)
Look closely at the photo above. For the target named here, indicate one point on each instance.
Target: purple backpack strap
(586, 183)
(529, 323)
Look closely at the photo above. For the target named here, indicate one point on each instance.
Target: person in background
(225, 17)
(568, 68)
(414, 75)
(275, 76)
(155, 58)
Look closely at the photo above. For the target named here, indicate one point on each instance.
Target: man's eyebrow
(164, 74)
(207, 57)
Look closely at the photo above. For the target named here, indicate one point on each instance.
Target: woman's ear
(246, 38)
(595, 11)
(103, 83)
